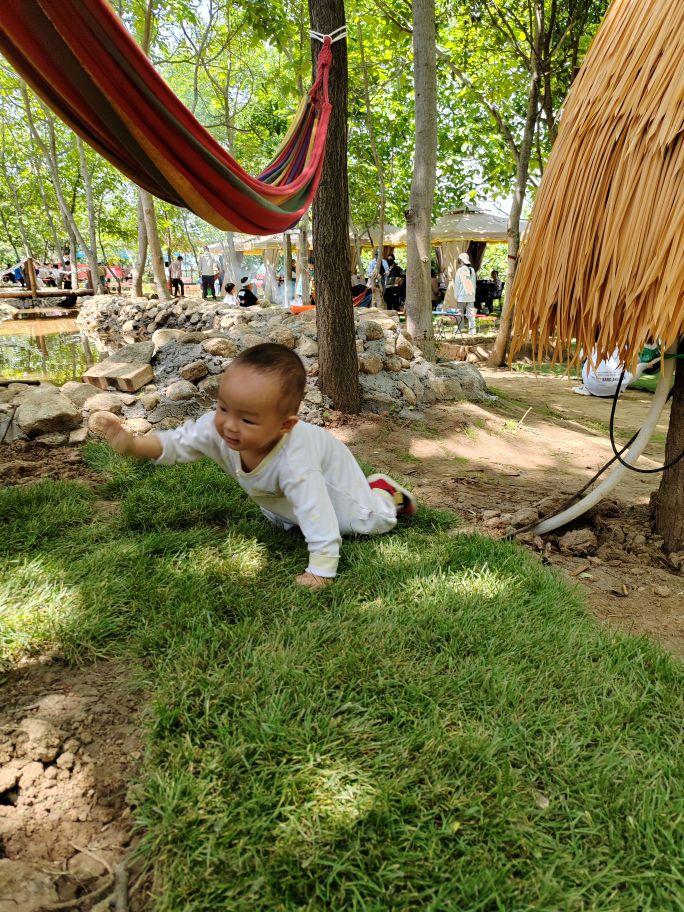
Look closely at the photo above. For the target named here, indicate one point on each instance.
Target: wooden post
(30, 274)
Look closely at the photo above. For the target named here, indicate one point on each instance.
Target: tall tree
(338, 360)
(669, 501)
(419, 213)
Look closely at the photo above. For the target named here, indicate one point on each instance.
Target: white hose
(637, 448)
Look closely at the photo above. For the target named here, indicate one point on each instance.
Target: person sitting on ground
(299, 474)
(246, 296)
(231, 297)
(359, 287)
(603, 378)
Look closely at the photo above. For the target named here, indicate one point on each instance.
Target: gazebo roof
(467, 224)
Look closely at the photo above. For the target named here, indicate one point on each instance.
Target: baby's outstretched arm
(122, 441)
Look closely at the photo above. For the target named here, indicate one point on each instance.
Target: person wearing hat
(246, 296)
(464, 288)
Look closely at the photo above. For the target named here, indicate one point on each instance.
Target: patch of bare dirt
(539, 444)
(70, 746)
(24, 462)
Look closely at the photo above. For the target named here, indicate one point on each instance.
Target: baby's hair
(229, 287)
(282, 363)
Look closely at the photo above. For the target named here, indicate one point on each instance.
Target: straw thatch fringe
(603, 262)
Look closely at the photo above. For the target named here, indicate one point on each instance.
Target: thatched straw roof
(604, 258)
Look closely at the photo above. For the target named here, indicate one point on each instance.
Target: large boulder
(136, 353)
(45, 410)
(79, 393)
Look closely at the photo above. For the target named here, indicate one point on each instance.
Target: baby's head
(259, 397)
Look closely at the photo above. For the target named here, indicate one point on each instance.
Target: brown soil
(65, 820)
(69, 749)
(488, 464)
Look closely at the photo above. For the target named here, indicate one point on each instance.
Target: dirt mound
(69, 747)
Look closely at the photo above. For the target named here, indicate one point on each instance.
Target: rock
(104, 402)
(52, 440)
(137, 353)
(404, 348)
(210, 386)
(181, 390)
(43, 740)
(407, 393)
(360, 348)
(370, 363)
(307, 348)
(192, 338)
(85, 867)
(66, 760)
(150, 401)
(661, 591)
(222, 348)
(524, 517)
(25, 888)
(78, 393)
(9, 776)
(392, 363)
(314, 396)
(195, 370)
(129, 326)
(372, 330)
(6, 395)
(249, 340)
(45, 410)
(79, 435)
(446, 388)
(282, 335)
(31, 773)
(98, 422)
(138, 425)
(162, 337)
(579, 542)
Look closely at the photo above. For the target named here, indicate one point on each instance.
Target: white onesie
(310, 479)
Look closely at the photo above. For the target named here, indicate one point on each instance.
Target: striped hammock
(79, 58)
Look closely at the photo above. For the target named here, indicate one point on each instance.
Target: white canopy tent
(454, 232)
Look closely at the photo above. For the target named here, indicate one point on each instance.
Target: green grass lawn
(445, 728)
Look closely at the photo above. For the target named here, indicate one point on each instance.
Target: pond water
(52, 350)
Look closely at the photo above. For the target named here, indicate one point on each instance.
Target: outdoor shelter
(602, 266)
(465, 230)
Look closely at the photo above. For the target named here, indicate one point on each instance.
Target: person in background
(359, 287)
(176, 272)
(231, 297)
(208, 268)
(57, 275)
(246, 296)
(496, 281)
(434, 288)
(383, 269)
(464, 287)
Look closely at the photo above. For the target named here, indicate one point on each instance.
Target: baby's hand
(313, 582)
(119, 439)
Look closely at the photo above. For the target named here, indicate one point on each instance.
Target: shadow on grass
(443, 728)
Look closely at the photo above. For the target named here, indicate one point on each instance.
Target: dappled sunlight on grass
(380, 744)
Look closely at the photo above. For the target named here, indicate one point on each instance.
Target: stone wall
(189, 343)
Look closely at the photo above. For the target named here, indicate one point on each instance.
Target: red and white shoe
(405, 503)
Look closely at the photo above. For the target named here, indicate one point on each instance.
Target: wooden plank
(126, 377)
(10, 293)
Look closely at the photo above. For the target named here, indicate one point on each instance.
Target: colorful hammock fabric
(79, 58)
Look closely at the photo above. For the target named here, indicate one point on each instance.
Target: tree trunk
(669, 503)
(376, 280)
(498, 353)
(303, 262)
(337, 357)
(139, 268)
(91, 251)
(419, 213)
(156, 255)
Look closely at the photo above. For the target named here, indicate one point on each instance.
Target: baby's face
(248, 416)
